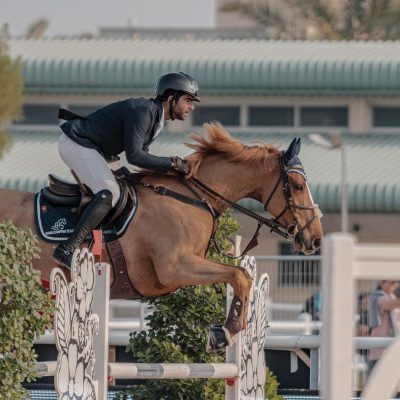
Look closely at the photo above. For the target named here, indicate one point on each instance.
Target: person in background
(362, 328)
(313, 306)
(384, 316)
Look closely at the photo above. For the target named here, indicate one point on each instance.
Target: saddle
(64, 193)
(64, 201)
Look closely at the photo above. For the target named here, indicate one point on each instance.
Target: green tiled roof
(223, 67)
(373, 163)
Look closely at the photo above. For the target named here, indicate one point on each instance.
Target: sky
(86, 16)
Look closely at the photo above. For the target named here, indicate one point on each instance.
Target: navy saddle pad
(55, 223)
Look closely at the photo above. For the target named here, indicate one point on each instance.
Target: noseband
(290, 206)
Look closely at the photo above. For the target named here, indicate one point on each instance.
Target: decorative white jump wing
(252, 380)
(74, 327)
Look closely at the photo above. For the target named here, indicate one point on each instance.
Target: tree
(319, 19)
(10, 94)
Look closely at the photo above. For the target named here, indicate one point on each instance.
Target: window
(271, 116)
(297, 272)
(225, 115)
(82, 109)
(39, 115)
(323, 116)
(386, 116)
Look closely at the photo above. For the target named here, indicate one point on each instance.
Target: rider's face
(183, 107)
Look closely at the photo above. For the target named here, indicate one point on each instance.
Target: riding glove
(180, 165)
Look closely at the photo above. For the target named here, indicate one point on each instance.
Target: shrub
(25, 310)
(271, 387)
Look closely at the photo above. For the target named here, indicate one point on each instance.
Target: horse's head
(263, 173)
(291, 203)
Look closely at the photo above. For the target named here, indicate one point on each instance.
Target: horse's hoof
(218, 339)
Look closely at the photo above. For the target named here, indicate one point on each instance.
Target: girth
(122, 286)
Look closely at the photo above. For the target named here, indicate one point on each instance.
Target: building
(260, 90)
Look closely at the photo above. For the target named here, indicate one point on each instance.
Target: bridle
(273, 223)
(290, 206)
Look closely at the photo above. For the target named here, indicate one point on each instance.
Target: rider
(89, 142)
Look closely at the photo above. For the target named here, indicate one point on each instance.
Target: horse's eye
(298, 186)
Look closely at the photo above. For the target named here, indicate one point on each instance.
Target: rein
(272, 223)
(203, 204)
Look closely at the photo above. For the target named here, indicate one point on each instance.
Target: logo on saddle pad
(58, 227)
(59, 224)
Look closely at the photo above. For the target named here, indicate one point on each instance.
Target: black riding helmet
(180, 82)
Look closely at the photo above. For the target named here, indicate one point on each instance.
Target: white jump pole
(172, 370)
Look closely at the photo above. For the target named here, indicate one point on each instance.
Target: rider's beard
(178, 113)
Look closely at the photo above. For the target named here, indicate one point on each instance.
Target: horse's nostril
(316, 243)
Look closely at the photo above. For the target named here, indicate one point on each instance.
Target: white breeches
(88, 164)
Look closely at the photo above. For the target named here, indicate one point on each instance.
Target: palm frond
(264, 14)
(356, 19)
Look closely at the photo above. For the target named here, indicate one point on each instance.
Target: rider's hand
(180, 165)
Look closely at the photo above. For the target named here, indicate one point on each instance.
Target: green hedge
(25, 310)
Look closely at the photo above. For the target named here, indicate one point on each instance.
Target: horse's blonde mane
(215, 139)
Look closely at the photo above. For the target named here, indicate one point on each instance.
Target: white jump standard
(81, 331)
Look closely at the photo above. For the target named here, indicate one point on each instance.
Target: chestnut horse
(165, 244)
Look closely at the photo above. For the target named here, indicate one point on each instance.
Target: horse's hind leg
(193, 270)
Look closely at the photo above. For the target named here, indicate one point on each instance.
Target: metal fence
(295, 288)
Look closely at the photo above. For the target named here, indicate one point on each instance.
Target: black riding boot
(90, 219)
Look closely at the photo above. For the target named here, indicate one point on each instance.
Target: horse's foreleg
(235, 305)
(194, 270)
